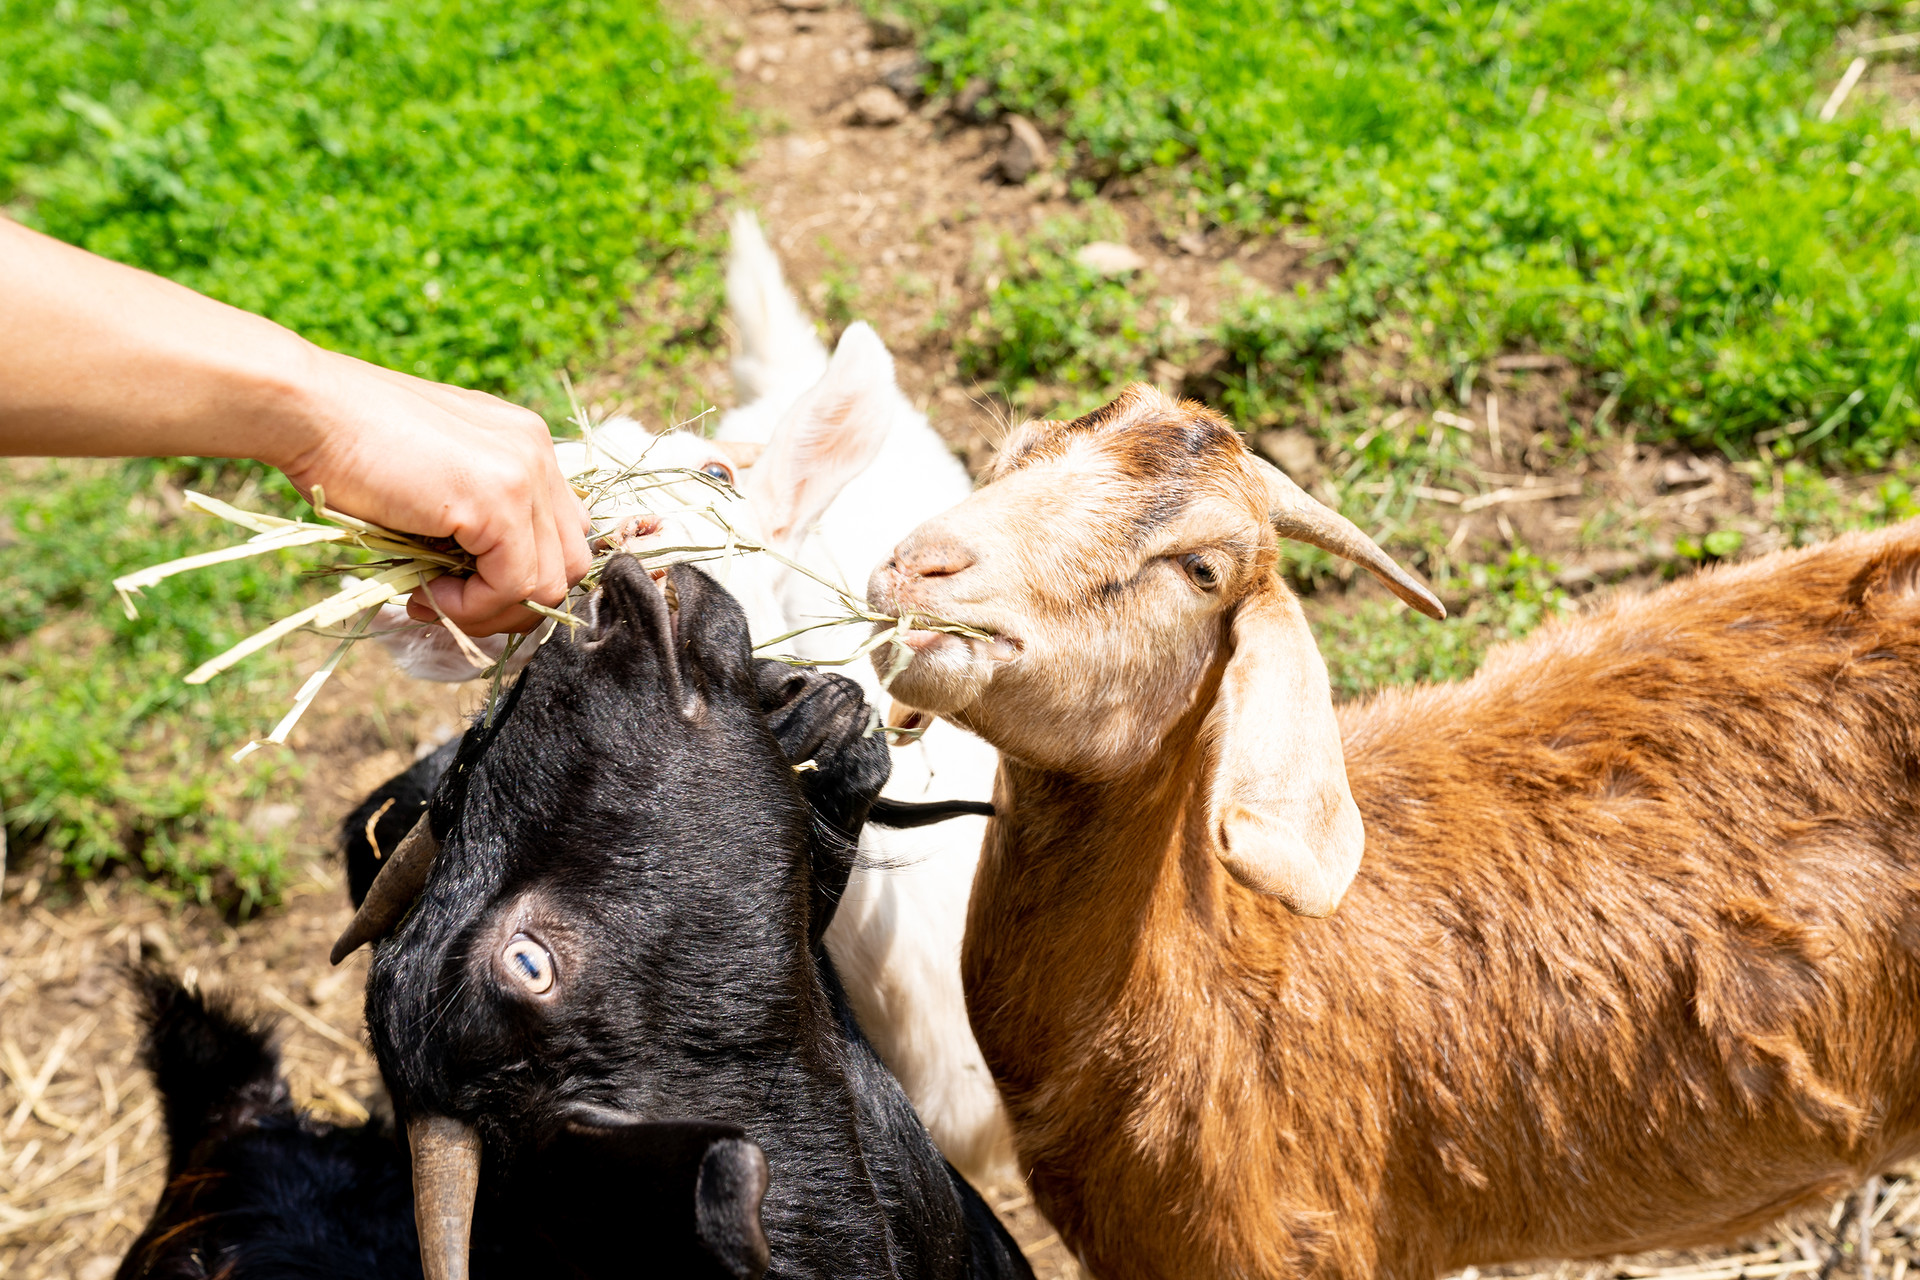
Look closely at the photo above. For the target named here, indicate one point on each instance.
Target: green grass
(1382, 642)
(464, 189)
(1813, 508)
(1645, 187)
(1058, 337)
(107, 756)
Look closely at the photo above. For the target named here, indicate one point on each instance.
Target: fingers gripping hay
(615, 492)
(410, 563)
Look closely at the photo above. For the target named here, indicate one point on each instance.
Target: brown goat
(1630, 961)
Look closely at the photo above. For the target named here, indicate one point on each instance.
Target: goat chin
(944, 681)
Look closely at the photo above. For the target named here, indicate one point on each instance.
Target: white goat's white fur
(840, 426)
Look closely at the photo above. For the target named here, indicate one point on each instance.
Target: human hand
(426, 458)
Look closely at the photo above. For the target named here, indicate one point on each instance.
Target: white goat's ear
(832, 433)
(1283, 818)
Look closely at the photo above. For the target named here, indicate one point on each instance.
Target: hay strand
(615, 491)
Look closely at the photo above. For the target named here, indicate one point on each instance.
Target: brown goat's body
(1632, 959)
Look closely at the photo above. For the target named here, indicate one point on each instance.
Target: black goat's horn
(446, 1176)
(1294, 515)
(392, 891)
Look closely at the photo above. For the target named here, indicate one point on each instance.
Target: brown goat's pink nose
(930, 558)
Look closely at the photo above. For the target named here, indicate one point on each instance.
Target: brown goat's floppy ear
(1282, 816)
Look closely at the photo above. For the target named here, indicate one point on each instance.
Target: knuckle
(522, 585)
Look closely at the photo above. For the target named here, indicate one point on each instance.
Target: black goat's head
(613, 901)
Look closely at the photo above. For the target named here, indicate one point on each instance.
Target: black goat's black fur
(255, 1190)
(634, 810)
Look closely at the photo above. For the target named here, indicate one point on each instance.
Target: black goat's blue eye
(529, 964)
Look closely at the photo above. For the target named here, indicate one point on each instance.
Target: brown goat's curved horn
(1299, 517)
(392, 891)
(446, 1174)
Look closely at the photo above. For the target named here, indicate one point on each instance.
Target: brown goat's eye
(1200, 571)
(529, 964)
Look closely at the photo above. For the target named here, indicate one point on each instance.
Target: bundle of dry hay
(614, 492)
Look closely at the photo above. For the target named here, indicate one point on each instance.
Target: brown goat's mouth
(1001, 648)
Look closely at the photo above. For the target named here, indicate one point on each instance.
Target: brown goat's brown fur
(1630, 960)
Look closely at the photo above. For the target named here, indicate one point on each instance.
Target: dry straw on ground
(82, 1147)
(82, 1153)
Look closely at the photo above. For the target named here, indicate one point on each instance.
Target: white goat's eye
(530, 964)
(1200, 571)
(719, 471)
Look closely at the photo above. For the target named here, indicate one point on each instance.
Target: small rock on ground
(1026, 151)
(890, 30)
(878, 106)
(1109, 258)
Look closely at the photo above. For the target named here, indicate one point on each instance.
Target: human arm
(99, 359)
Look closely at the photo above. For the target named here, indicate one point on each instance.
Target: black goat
(257, 1191)
(612, 910)
(380, 822)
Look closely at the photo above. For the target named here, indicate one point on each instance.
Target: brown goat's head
(1116, 559)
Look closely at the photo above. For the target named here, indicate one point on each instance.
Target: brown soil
(890, 224)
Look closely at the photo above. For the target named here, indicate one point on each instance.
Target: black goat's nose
(935, 558)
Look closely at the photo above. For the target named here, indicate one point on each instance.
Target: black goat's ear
(689, 1189)
(732, 1185)
(215, 1068)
